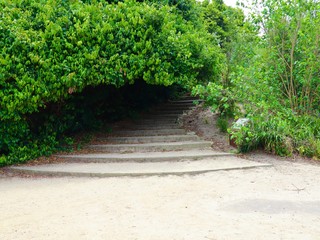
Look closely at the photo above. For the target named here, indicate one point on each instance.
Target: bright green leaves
(50, 50)
(219, 98)
(275, 78)
(292, 33)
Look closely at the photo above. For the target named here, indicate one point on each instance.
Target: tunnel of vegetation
(67, 66)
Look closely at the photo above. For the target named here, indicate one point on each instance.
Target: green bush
(223, 124)
(217, 97)
(283, 135)
(274, 78)
(51, 51)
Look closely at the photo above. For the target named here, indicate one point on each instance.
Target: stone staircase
(154, 145)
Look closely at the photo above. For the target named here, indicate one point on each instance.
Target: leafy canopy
(50, 50)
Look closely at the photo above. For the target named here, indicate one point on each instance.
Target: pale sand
(281, 202)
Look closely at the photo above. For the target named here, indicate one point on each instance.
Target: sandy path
(267, 203)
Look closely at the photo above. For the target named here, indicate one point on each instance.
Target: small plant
(222, 124)
(2, 160)
(217, 97)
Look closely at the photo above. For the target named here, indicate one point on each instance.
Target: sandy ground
(267, 203)
(281, 202)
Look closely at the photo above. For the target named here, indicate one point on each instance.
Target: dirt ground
(281, 202)
(203, 122)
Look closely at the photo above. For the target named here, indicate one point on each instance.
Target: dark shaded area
(94, 106)
(56, 126)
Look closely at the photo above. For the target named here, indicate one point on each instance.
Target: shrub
(222, 124)
(51, 51)
(281, 135)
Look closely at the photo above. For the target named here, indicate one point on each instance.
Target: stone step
(185, 101)
(177, 106)
(157, 144)
(170, 110)
(157, 118)
(151, 132)
(151, 147)
(188, 98)
(150, 126)
(143, 157)
(144, 126)
(139, 169)
(148, 139)
(156, 121)
(165, 112)
(180, 103)
(159, 115)
(171, 107)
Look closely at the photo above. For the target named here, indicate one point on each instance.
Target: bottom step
(139, 169)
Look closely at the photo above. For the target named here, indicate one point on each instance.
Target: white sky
(231, 3)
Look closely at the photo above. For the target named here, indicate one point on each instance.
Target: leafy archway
(52, 51)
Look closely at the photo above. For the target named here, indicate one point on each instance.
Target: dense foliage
(67, 65)
(285, 77)
(53, 50)
(273, 78)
